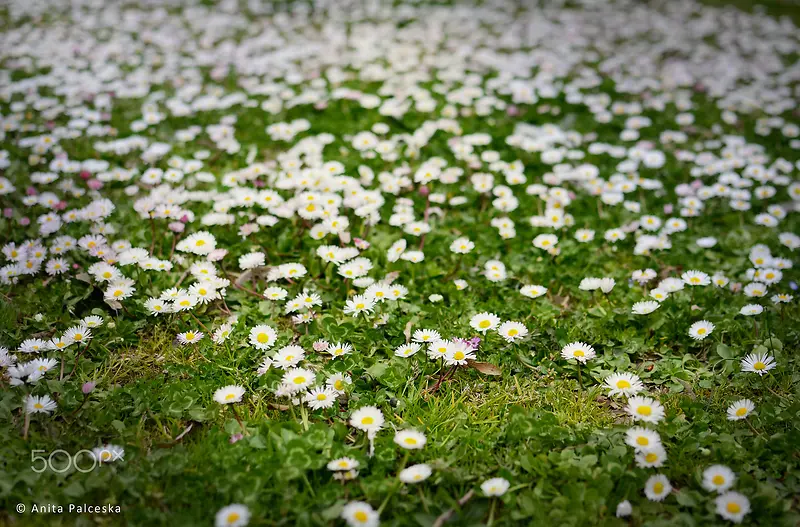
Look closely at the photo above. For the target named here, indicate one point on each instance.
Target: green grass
(560, 444)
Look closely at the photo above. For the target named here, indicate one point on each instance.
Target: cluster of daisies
(189, 224)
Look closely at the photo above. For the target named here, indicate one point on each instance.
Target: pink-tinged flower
(216, 255)
(176, 226)
(424, 191)
(184, 219)
(88, 387)
(668, 208)
(512, 110)
(361, 244)
(95, 184)
(321, 105)
(8, 212)
(31, 191)
(85, 175)
(235, 438)
(25, 221)
(61, 205)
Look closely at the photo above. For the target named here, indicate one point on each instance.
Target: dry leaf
(485, 367)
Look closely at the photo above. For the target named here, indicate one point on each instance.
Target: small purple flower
(25, 221)
(793, 285)
(235, 438)
(88, 387)
(8, 212)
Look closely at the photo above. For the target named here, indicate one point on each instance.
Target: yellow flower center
(512, 332)
(644, 410)
(410, 441)
(367, 421)
(733, 507)
(623, 384)
(359, 306)
(658, 488)
(321, 397)
(299, 380)
(118, 292)
(717, 480)
(232, 517)
(459, 355)
(579, 353)
(230, 396)
(190, 336)
(701, 331)
(262, 338)
(484, 324)
(759, 365)
(642, 441)
(38, 406)
(361, 516)
(651, 457)
(741, 412)
(200, 243)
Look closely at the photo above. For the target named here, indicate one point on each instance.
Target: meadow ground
(428, 264)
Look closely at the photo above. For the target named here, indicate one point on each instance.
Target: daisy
(338, 381)
(460, 284)
(458, 353)
(751, 309)
(410, 439)
(229, 394)
(462, 246)
(78, 334)
(512, 331)
(360, 514)
(340, 349)
(298, 379)
(190, 337)
(36, 405)
(623, 384)
(759, 363)
(741, 409)
(368, 419)
(263, 337)
(495, 486)
(624, 509)
(288, 357)
(533, 291)
(320, 398)
(580, 351)
(642, 438)
(359, 304)
(545, 241)
(701, 329)
(732, 506)
(342, 463)
(644, 308)
(659, 294)
(234, 515)
(695, 278)
(645, 409)
(415, 473)
(426, 335)
(755, 290)
(657, 487)
(483, 322)
(407, 350)
(718, 478)
(652, 457)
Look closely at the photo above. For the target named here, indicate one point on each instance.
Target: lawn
(424, 264)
